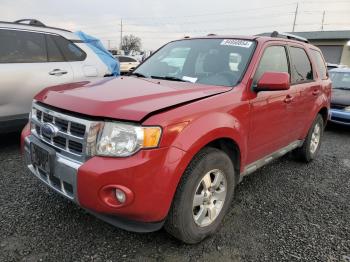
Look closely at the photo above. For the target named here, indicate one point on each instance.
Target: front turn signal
(151, 136)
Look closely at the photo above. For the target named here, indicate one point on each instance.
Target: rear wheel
(203, 197)
(312, 142)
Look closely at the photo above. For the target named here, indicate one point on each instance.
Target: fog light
(120, 195)
(116, 196)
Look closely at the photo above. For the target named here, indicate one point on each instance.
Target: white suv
(34, 56)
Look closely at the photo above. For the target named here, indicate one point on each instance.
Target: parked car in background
(168, 144)
(331, 66)
(340, 104)
(34, 56)
(127, 63)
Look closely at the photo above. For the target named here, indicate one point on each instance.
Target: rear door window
(274, 59)
(321, 66)
(69, 50)
(53, 52)
(301, 66)
(22, 47)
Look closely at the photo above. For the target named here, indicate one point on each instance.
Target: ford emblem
(49, 130)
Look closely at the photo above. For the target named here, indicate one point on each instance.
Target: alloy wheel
(209, 198)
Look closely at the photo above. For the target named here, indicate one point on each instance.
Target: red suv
(167, 144)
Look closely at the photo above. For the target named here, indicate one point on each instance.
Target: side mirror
(273, 81)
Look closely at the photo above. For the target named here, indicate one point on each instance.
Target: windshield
(219, 62)
(341, 80)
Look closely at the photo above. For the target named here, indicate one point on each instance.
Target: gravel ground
(285, 211)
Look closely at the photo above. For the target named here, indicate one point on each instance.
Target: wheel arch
(231, 148)
(219, 130)
(324, 113)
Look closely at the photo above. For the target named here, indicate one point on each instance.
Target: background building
(335, 45)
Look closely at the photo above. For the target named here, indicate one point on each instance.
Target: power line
(210, 14)
(295, 17)
(324, 13)
(255, 17)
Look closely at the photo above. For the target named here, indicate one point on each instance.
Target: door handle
(315, 92)
(57, 72)
(288, 99)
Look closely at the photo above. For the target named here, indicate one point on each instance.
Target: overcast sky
(159, 21)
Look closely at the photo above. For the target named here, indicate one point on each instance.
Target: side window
(129, 59)
(122, 59)
(54, 54)
(125, 59)
(69, 50)
(22, 47)
(274, 59)
(301, 66)
(321, 66)
(201, 61)
(235, 60)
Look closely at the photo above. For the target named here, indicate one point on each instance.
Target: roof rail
(289, 36)
(33, 22)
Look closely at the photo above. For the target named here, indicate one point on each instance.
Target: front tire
(312, 143)
(203, 197)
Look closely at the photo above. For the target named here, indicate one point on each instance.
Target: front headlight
(347, 109)
(121, 140)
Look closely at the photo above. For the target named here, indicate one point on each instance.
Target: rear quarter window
(321, 66)
(301, 66)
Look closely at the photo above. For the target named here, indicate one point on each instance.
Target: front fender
(201, 131)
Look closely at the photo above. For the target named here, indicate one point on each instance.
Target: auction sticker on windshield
(237, 42)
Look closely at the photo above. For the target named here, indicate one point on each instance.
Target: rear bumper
(340, 117)
(151, 176)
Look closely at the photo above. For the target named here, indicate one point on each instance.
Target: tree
(131, 43)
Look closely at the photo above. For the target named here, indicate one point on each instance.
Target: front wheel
(203, 196)
(308, 151)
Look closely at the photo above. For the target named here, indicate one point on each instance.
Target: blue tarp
(96, 46)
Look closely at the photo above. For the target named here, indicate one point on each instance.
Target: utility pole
(324, 14)
(121, 33)
(295, 16)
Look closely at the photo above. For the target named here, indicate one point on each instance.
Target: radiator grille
(72, 135)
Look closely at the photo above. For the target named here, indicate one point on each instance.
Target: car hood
(341, 97)
(124, 98)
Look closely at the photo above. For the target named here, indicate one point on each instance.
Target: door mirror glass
(273, 81)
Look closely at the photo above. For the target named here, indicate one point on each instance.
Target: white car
(127, 63)
(34, 56)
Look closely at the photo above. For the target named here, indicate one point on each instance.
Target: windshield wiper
(137, 74)
(171, 78)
